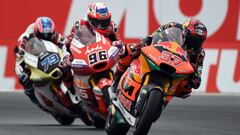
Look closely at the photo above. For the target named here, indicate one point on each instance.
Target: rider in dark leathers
(193, 36)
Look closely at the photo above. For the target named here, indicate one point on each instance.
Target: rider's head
(195, 33)
(45, 27)
(99, 15)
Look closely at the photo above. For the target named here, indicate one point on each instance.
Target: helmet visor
(194, 43)
(100, 23)
(47, 27)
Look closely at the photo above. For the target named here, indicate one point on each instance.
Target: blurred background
(135, 19)
(212, 115)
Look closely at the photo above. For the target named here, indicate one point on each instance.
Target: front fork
(144, 92)
(100, 91)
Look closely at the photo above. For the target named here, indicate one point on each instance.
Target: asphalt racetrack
(196, 115)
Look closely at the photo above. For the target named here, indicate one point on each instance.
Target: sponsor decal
(136, 68)
(126, 103)
(90, 50)
(173, 47)
(130, 118)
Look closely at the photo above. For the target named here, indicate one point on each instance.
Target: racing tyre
(83, 115)
(112, 127)
(151, 111)
(63, 120)
(98, 122)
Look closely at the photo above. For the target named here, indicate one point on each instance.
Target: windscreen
(172, 34)
(35, 46)
(85, 36)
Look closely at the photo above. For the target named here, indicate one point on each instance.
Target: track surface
(196, 115)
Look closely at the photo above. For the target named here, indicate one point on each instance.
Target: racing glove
(25, 81)
(67, 59)
(195, 81)
(117, 44)
(195, 78)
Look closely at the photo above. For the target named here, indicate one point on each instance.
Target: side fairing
(139, 68)
(44, 64)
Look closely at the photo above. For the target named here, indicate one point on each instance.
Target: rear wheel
(79, 110)
(63, 120)
(150, 112)
(98, 122)
(114, 126)
(83, 115)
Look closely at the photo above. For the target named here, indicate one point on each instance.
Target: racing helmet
(45, 27)
(195, 33)
(99, 15)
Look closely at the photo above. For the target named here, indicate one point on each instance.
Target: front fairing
(92, 52)
(169, 54)
(42, 58)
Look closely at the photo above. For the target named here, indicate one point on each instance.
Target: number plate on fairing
(48, 61)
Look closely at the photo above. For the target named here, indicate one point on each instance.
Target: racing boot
(79, 110)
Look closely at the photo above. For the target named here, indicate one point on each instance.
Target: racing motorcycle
(94, 59)
(148, 85)
(42, 58)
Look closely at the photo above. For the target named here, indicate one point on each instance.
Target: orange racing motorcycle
(148, 85)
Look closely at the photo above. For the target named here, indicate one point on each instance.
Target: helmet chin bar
(45, 34)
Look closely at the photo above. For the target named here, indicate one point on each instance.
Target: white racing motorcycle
(42, 58)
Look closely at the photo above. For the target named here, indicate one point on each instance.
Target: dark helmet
(99, 15)
(195, 33)
(45, 26)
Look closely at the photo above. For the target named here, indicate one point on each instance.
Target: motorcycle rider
(98, 18)
(194, 34)
(42, 28)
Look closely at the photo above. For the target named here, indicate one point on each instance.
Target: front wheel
(83, 115)
(98, 122)
(150, 112)
(114, 126)
(63, 120)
